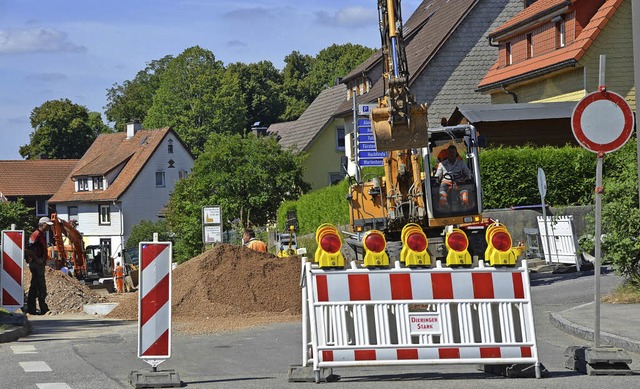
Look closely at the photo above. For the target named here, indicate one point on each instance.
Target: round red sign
(602, 122)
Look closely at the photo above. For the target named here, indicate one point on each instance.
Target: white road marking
(55, 385)
(24, 349)
(34, 366)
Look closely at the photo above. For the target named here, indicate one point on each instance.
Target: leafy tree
(144, 231)
(334, 62)
(298, 96)
(261, 85)
(15, 212)
(247, 176)
(62, 130)
(132, 99)
(196, 97)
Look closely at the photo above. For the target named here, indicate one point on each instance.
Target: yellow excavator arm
(398, 122)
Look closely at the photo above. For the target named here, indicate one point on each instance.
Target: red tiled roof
(41, 177)
(107, 153)
(532, 12)
(565, 57)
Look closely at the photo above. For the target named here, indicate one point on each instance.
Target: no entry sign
(602, 122)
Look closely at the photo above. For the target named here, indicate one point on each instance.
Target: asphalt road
(96, 354)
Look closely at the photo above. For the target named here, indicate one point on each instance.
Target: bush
(15, 212)
(143, 232)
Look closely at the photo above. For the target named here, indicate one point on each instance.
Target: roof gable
(555, 60)
(108, 153)
(41, 177)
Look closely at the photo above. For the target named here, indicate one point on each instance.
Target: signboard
(424, 323)
(372, 154)
(367, 154)
(213, 234)
(211, 215)
(602, 122)
(366, 109)
(212, 224)
(371, 162)
(542, 183)
(366, 139)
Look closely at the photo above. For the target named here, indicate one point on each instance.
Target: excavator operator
(451, 172)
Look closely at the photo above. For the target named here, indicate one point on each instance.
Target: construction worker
(36, 257)
(451, 171)
(118, 273)
(250, 241)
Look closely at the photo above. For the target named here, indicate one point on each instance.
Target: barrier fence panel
(11, 273)
(401, 316)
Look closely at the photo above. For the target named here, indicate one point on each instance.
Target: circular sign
(542, 183)
(602, 122)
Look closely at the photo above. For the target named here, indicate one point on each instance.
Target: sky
(76, 50)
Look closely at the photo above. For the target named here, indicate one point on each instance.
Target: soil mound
(229, 287)
(65, 294)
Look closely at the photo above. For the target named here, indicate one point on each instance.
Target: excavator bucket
(391, 134)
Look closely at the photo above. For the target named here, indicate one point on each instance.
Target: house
(316, 133)
(122, 179)
(447, 55)
(34, 181)
(550, 52)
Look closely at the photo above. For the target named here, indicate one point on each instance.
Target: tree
(143, 232)
(298, 96)
(248, 177)
(62, 130)
(132, 99)
(196, 97)
(15, 212)
(261, 85)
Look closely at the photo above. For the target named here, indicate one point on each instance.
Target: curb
(585, 333)
(15, 333)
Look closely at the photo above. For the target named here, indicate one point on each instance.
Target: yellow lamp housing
(374, 245)
(414, 246)
(457, 248)
(499, 251)
(329, 254)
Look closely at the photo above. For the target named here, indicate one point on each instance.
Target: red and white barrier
(11, 275)
(154, 304)
(405, 316)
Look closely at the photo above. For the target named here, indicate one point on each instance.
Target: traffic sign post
(602, 122)
(367, 155)
(542, 188)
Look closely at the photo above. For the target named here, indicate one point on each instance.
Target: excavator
(408, 207)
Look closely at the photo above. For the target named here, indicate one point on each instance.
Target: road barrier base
(155, 379)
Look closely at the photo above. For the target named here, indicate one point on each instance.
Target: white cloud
(36, 40)
(349, 17)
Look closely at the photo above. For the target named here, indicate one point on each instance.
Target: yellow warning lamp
(328, 254)
(414, 246)
(499, 252)
(457, 245)
(374, 244)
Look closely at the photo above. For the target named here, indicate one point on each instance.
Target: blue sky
(72, 49)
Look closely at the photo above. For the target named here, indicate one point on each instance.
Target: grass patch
(626, 293)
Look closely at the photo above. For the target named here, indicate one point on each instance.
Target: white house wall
(142, 200)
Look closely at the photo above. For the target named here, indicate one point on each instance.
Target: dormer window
(508, 55)
(83, 184)
(170, 146)
(529, 45)
(560, 32)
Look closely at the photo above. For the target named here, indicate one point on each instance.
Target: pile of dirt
(229, 287)
(64, 293)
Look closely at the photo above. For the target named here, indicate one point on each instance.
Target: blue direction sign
(367, 146)
(364, 130)
(371, 162)
(364, 123)
(366, 138)
(371, 154)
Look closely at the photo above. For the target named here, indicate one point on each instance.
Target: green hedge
(327, 205)
(510, 176)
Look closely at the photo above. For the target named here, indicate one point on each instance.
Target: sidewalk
(619, 324)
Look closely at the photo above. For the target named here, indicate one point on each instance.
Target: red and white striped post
(11, 275)
(154, 303)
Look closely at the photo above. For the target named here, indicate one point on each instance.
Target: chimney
(132, 128)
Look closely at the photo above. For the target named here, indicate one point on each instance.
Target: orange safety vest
(257, 245)
(119, 272)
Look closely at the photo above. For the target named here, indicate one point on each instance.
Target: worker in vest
(119, 275)
(250, 241)
(451, 172)
(36, 256)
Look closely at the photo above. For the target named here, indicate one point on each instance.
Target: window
(97, 183)
(73, 213)
(560, 35)
(105, 214)
(529, 45)
(335, 178)
(41, 207)
(509, 57)
(83, 184)
(340, 139)
(182, 174)
(170, 146)
(159, 179)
